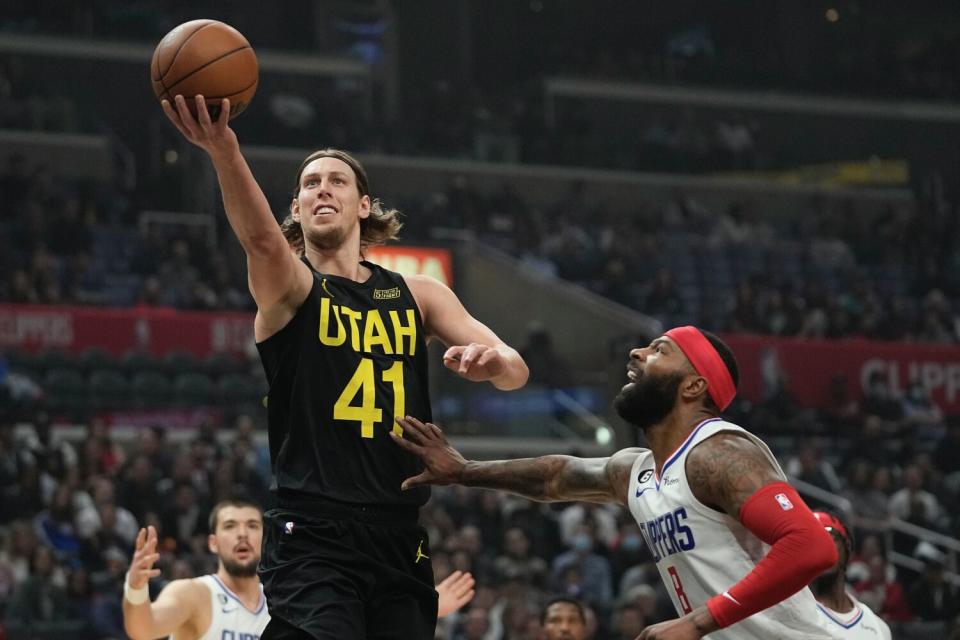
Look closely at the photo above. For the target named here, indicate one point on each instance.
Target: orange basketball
(208, 58)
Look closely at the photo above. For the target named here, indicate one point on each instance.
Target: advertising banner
(807, 368)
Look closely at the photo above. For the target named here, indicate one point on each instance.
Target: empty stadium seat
(150, 389)
(108, 389)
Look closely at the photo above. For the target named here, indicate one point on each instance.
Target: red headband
(707, 362)
(832, 524)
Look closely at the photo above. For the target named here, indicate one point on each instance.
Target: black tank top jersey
(353, 357)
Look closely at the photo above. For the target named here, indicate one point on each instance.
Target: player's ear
(693, 387)
(295, 209)
(212, 543)
(365, 206)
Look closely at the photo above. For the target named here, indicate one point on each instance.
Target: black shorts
(353, 574)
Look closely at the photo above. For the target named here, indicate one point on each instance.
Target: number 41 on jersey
(363, 384)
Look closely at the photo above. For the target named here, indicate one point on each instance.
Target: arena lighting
(832, 15)
(604, 436)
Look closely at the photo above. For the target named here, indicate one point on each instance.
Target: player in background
(563, 619)
(849, 617)
(343, 344)
(225, 604)
(734, 543)
(228, 603)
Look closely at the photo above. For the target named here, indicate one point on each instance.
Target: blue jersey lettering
(687, 543)
(667, 536)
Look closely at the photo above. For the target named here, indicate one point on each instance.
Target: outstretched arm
(546, 479)
(278, 281)
(142, 619)
(474, 350)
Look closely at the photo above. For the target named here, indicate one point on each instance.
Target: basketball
(208, 58)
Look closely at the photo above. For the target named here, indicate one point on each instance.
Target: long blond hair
(293, 232)
(382, 225)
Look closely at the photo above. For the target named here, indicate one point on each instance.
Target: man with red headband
(849, 617)
(734, 543)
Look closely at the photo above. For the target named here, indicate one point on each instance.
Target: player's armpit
(726, 469)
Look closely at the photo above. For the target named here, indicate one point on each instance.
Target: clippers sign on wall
(161, 330)
(808, 368)
(156, 330)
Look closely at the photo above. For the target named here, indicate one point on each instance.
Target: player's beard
(649, 400)
(239, 569)
(326, 239)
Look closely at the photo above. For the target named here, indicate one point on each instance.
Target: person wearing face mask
(628, 551)
(596, 582)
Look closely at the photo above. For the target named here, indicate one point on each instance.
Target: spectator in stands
(138, 486)
(879, 399)
(938, 323)
(27, 497)
(177, 275)
(945, 454)
(564, 619)
(629, 622)
(90, 519)
(919, 410)
(15, 556)
(55, 525)
(913, 503)
(932, 597)
(80, 601)
(183, 518)
(883, 594)
(810, 467)
(517, 562)
(41, 599)
(867, 503)
(629, 549)
(582, 571)
(475, 625)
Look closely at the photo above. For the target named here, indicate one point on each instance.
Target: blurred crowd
(72, 504)
(853, 47)
(840, 270)
(78, 242)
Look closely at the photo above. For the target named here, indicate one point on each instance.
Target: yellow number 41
(367, 413)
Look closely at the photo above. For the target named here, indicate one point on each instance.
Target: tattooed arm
(726, 469)
(546, 479)
(730, 473)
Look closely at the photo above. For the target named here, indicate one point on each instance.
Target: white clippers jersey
(860, 623)
(229, 618)
(701, 552)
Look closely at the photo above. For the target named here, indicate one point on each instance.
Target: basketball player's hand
(213, 137)
(692, 626)
(144, 555)
(444, 464)
(475, 362)
(453, 592)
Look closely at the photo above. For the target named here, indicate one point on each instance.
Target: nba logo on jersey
(288, 528)
(784, 501)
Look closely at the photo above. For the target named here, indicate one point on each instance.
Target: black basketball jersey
(352, 359)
